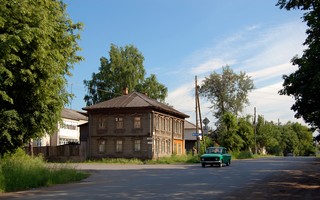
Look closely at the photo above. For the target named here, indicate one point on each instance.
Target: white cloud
(273, 71)
(210, 66)
(263, 53)
(271, 105)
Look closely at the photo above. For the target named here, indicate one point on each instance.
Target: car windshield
(214, 150)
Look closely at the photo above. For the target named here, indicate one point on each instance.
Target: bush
(19, 171)
(242, 155)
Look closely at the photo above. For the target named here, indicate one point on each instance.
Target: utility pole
(198, 114)
(255, 131)
(196, 105)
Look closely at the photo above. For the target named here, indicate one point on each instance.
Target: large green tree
(304, 84)
(228, 133)
(228, 92)
(38, 45)
(123, 69)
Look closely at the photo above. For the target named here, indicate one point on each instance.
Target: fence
(62, 153)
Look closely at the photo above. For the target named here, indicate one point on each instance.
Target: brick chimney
(125, 91)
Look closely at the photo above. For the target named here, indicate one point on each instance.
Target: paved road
(268, 178)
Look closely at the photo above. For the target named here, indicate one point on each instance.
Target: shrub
(19, 171)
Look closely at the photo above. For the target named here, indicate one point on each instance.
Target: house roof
(73, 114)
(135, 100)
(189, 125)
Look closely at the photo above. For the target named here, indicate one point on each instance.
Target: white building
(68, 129)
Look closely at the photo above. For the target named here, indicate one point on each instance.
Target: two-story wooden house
(134, 126)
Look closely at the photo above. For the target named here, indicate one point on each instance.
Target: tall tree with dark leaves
(38, 46)
(123, 69)
(304, 84)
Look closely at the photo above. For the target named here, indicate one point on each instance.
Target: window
(68, 125)
(119, 122)
(137, 145)
(137, 122)
(119, 146)
(162, 146)
(102, 123)
(157, 125)
(102, 146)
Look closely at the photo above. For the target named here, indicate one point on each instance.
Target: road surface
(267, 178)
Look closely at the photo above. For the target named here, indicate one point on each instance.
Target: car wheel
(228, 163)
(203, 165)
(220, 165)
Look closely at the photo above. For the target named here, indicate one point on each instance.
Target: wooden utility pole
(255, 131)
(198, 114)
(196, 104)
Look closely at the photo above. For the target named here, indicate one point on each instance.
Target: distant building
(190, 139)
(68, 129)
(133, 126)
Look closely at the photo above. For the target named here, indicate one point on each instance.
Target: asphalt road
(268, 178)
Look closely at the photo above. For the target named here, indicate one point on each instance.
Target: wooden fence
(62, 153)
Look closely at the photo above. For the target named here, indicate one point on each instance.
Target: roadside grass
(20, 171)
(174, 159)
(117, 161)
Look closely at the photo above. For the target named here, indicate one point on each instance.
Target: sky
(182, 39)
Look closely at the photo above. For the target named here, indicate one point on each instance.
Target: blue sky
(181, 39)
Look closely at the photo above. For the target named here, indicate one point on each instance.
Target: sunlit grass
(20, 172)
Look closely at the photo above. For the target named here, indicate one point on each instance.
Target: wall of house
(190, 140)
(167, 130)
(124, 135)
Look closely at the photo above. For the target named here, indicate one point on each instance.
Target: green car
(215, 156)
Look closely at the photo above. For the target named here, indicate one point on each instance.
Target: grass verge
(19, 171)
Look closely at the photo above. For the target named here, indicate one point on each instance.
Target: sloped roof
(73, 114)
(135, 100)
(189, 125)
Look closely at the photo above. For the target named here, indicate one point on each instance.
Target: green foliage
(153, 88)
(19, 172)
(237, 135)
(117, 161)
(228, 133)
(304, 84)
(242, 155)
(228, 92)
(246, 132)
(280, 139)
(186, 158)
(38, 45)
(124, 69)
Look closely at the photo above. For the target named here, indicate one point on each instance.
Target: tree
(153, 88)
(228, 92)
(38, 45)
(304, 84)
(228, 133)
(305, 139)
(289, 140)
(124, 69)
(245, 131)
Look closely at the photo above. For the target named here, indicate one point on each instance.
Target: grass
(174, 159)
(19, 171)
(117, 161)
(187, 158)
